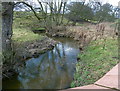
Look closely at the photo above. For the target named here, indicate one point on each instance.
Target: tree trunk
(7, 53)
(7, 20)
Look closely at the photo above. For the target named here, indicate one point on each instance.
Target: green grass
(95, 61)
(24, 35)
(23, 23)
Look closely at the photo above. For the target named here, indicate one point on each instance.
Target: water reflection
(51, 70)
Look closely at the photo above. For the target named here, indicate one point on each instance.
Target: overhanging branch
(31, 9)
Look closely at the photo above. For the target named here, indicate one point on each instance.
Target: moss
(95, 61)
(38, 30)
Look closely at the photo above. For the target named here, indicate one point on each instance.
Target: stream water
(51, 70)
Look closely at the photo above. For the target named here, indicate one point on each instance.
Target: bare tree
(50, 12)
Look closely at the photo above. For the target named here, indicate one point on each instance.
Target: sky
(113, 2)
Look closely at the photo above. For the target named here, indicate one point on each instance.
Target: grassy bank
(25, 35)
(22, 27)
(96, 60)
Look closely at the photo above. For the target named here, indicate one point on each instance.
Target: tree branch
(31, 9)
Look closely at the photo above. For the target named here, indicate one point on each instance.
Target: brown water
(51, 70)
